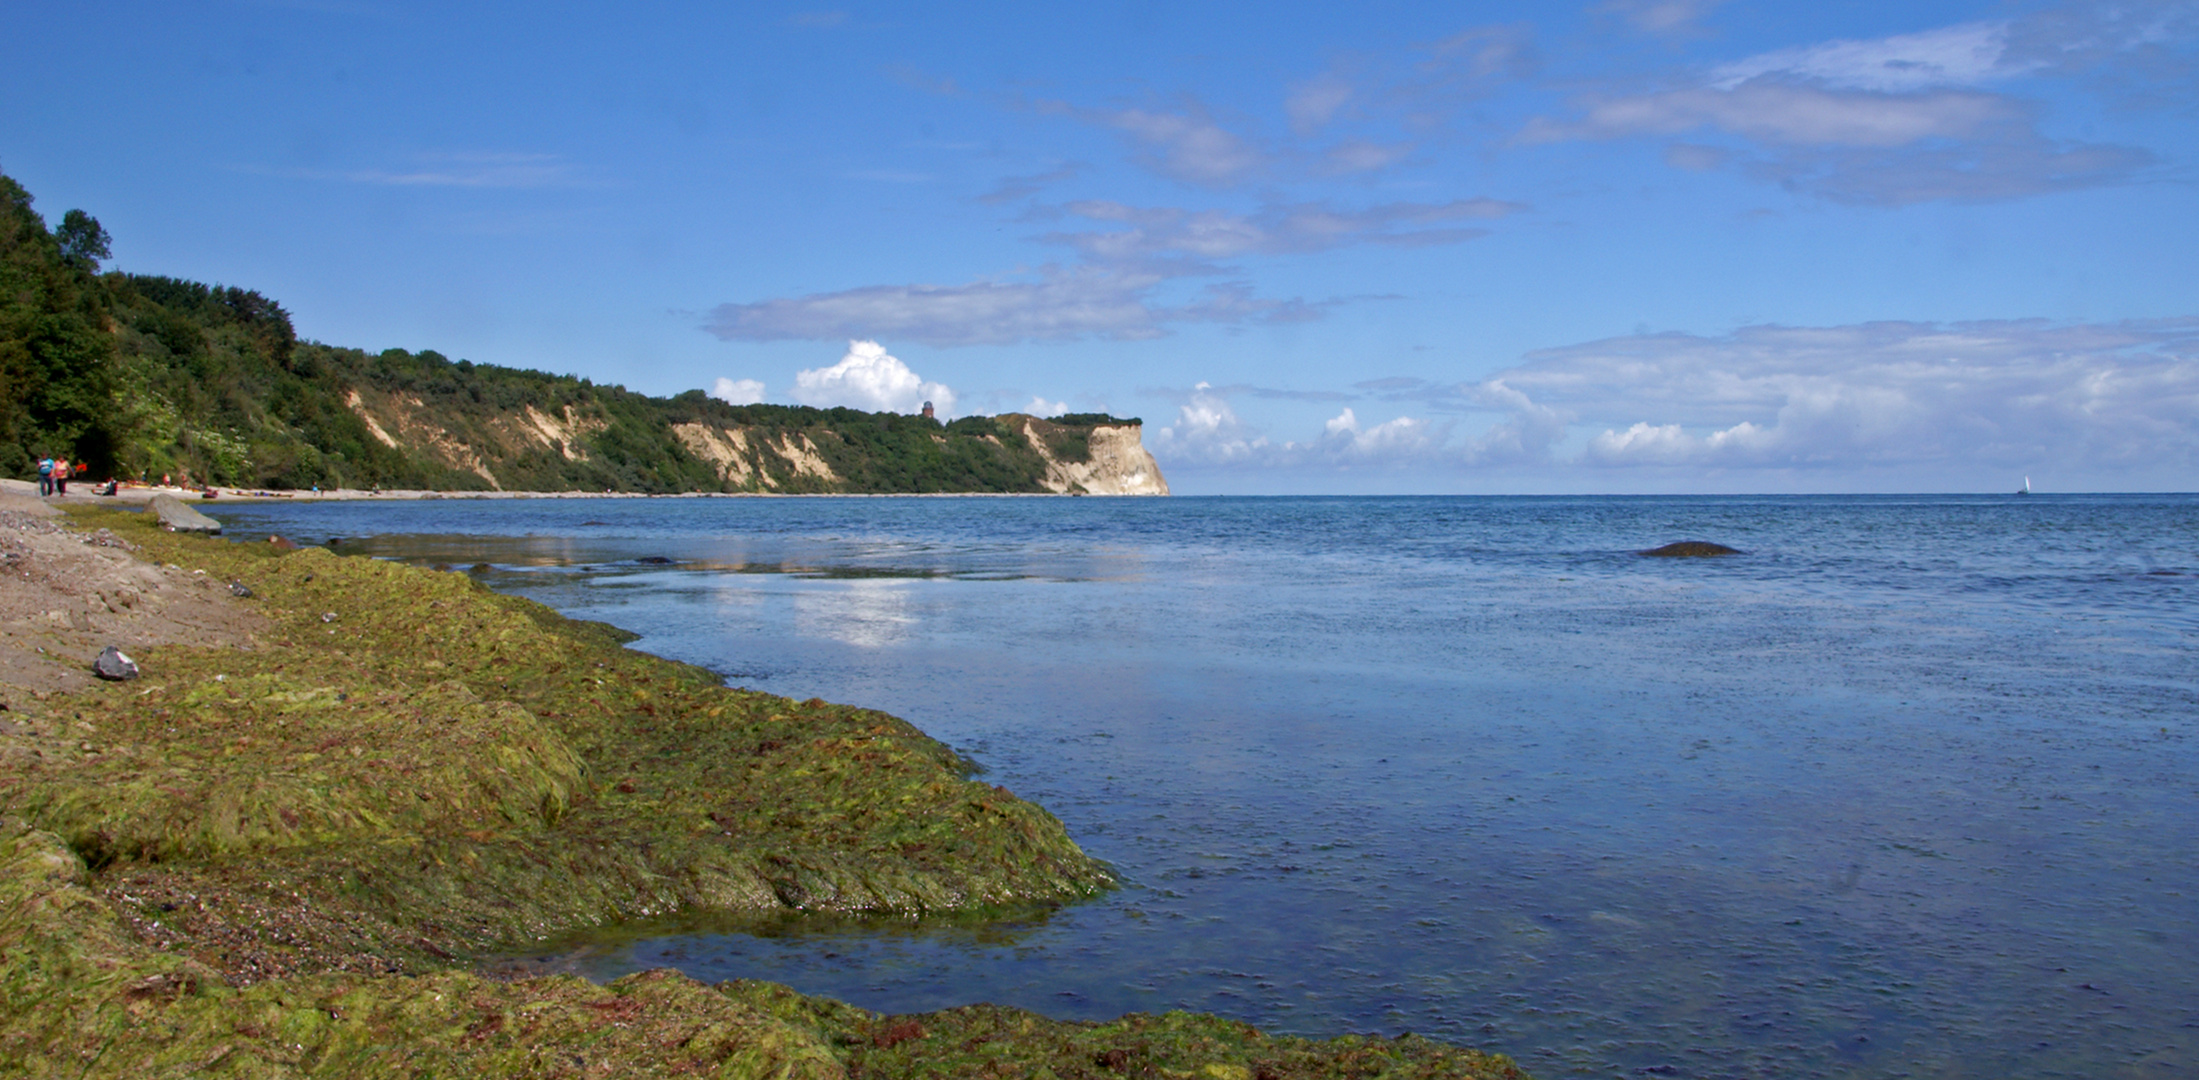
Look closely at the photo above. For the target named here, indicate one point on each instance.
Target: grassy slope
(276, 862)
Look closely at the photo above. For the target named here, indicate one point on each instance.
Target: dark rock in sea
(176, 517)
(238, 588)
(114, 666)
(1691, 549)
(654, 560)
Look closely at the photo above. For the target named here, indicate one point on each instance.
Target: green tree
(83, 242)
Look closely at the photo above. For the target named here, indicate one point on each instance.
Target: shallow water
(1906, 790)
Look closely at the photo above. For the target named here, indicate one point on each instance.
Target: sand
(66, 594)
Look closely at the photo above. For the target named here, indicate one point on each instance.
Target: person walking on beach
(45, 477)
(61, 477)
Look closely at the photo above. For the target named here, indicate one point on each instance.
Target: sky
(1656, 246)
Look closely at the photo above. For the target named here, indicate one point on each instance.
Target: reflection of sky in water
(1907, 791)
(870, 613)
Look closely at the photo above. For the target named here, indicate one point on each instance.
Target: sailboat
(2026, 488)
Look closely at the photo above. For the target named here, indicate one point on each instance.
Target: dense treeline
(144, 377)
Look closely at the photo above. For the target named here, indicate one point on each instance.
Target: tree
(83, 242)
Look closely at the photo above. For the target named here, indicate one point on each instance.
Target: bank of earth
(285, 848)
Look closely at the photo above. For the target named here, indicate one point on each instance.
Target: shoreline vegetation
(341, 786)
(150, 378)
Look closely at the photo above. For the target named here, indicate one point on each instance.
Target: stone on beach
(114, 666)
(176, 517)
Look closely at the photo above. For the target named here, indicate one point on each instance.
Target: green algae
(283, 860)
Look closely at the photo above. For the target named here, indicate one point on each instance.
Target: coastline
(137, 495)
(384, 774)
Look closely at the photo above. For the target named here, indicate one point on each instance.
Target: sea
(1907, 788)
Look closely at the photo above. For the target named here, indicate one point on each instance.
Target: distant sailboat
(2026, 489)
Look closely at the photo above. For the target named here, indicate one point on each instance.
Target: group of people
(53, 476)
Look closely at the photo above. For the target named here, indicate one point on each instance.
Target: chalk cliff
(1116, 462)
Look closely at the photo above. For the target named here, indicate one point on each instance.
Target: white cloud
(1188, 145)
(2004, 395)
(1061, 305)
(1859, 407)
(1779, 112)
(1389, 442)
(1884, 121)
(1859, 146)
(1039, 406)
(1208, 432)
(1277, 229)
(868, 378)
(1964, 55)
(737, 391)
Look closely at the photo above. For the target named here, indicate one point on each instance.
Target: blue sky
(1626, 245)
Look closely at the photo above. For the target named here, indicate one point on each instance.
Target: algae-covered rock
(81, 997)
(267, 762)
(447, 772)
(996, 1041)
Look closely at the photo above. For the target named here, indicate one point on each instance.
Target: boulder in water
(176, 517)
(1690, 549)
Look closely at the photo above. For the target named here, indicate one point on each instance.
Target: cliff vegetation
(141, 376)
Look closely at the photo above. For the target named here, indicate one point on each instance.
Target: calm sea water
(1909, 789)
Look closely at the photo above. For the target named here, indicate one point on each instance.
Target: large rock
(1690, 549)
(176, 517)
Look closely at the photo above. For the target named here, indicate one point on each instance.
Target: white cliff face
(1119, 465)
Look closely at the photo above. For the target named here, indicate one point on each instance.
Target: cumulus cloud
(1208, 432)
(737, 391)
(1389, 442)
(1039, 406)
(2116, 403)
(869, 378)
(2005, 394)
